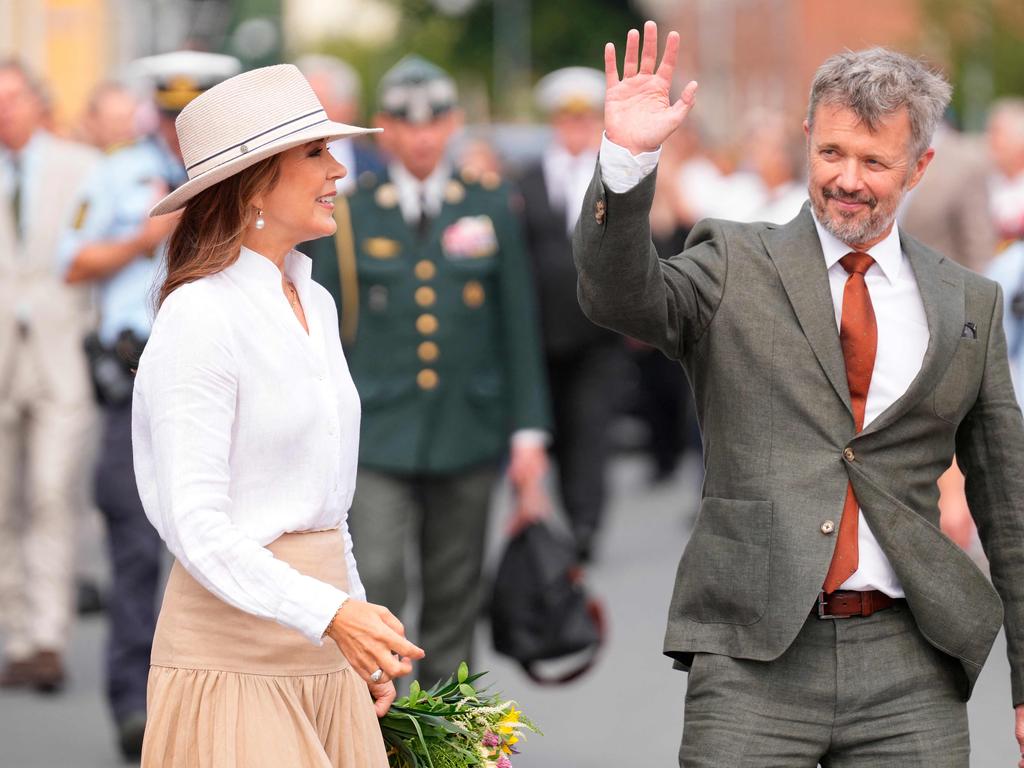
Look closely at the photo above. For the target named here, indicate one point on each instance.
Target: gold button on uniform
(427, 379)
(473, 294)
(425, 270)
(828, 527)
(426, 324)
(426, 296)
(849, 455)
(428, 351)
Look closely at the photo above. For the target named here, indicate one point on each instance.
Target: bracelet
(330, 624)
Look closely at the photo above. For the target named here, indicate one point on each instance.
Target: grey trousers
(446, 517)
(849, 693)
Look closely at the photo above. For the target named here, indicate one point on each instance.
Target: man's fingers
(629, 62)
(685, 102)
(668, 59)
(650, 50)
(611, 67)
(689, 94)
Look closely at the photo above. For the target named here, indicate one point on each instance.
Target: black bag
(539, 608)
(112, 369)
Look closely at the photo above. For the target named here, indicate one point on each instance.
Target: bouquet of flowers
(453, 725)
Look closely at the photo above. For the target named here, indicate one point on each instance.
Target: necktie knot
(856, 262)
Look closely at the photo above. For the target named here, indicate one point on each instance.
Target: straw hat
(246, 119)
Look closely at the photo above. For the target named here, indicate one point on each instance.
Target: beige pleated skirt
(230, 690)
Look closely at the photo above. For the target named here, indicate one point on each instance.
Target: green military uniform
(441, 339)
(444, 350)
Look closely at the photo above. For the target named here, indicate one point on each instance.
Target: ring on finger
(377, 675)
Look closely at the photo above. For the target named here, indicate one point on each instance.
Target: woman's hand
(638, 114)
(372, 638)
(383, 696)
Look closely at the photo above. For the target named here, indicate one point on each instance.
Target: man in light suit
(837, 365)
(949, 209)
(45, 401)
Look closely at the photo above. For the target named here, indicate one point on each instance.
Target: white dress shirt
(567, 178)
(902, 335)
(244, 428)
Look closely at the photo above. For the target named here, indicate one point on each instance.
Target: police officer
(584, 361)
(436, 311)
(117, 247)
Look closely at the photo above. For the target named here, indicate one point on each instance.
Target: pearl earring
(260, 223)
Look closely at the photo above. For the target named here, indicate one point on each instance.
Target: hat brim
(328, 130)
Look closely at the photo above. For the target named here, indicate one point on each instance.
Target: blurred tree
(985, 51)
(560, 34)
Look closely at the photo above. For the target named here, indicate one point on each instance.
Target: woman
(245, 431)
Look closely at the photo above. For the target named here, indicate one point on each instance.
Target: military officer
(583, 360)
(436, 311)
(117, 247)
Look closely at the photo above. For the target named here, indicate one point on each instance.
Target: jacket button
(599, 209)
(828, 527)
(425, 269)
(426, 324)
(428, 351)
(427, 379)
(425, 296)
(849, 455)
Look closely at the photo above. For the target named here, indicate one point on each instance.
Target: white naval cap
(571, 89)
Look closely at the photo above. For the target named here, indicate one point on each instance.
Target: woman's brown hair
(209, 234)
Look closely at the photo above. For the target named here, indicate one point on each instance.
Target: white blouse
(244, 428)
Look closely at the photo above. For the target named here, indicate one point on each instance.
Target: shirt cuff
(530, 437)
(309, 605)
(621, 170)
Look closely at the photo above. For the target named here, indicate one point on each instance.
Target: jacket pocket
(723, 574)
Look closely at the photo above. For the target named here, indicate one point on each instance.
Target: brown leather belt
(844, 603)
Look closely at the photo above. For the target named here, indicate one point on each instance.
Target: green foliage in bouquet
(453, 725)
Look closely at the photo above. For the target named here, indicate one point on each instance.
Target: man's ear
(919, 169)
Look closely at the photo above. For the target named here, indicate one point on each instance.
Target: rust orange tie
(858, 335)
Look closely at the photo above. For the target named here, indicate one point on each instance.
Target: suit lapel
(796, 251)
(942, 293)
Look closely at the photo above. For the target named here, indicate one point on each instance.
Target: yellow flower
(507, 725)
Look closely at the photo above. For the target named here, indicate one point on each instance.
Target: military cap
(416, 91)
(180, 76)
(571, 89)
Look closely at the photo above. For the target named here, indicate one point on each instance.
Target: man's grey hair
(344, 80)
(876, 83)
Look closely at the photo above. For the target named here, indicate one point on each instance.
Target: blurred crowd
(79, 257)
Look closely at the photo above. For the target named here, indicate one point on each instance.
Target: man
(949, 210)
(1006, 148)
(584, 362)
(433, 291)
(337, 87)
(116, 247)
(45, 409)
(837, 365)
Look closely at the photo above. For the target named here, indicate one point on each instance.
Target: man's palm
(638, 113)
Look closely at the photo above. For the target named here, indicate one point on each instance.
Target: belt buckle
(821, 609)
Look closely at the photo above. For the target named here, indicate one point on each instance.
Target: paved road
(627, 712)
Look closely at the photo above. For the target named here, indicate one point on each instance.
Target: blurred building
(73, 44)
(763, 53)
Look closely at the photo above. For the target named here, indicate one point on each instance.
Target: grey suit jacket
(747, 310)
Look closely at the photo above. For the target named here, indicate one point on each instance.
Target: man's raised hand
(638, 114)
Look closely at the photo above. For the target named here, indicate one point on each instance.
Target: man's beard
(852, 229)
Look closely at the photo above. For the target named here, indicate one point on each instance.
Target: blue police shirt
(117, 201)
(1007, 269)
